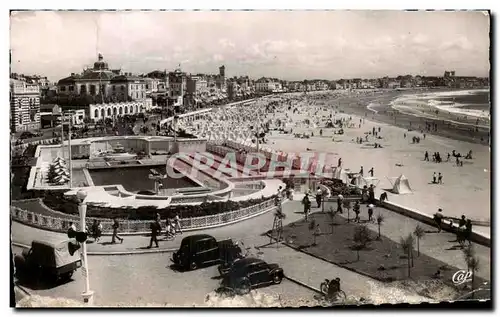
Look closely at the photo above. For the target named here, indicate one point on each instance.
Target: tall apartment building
(24, 106)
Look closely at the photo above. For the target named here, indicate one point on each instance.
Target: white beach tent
(401, 186)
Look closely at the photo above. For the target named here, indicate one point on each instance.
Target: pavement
(150, 278)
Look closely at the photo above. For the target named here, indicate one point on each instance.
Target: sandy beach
(465, 190)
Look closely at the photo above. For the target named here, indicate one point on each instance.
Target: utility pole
(62, 134)
(82, 209)
(69, 153)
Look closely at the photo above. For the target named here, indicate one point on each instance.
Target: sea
(465, 104)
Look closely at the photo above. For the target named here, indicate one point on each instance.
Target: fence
(140, 226)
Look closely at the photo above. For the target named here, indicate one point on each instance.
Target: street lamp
(82, 210)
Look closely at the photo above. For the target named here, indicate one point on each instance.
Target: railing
(139, 226)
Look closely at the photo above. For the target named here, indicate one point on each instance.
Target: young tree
(380, 220)
(407, 245)
(332, 213)
(347, 205)
(468, 252)
(361, 238)
(473, 265)
(312, 228)
(419, 234)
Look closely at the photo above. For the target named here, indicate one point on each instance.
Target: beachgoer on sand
(434, 178)
(426, 156)
(440, 178)
(361, 171)
(371, 172)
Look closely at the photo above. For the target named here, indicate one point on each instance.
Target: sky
(291, 45)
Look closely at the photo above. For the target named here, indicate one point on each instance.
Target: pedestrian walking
(340, 203)
(371, 194)
(340, 162)
(115, 236)
(440, 178)
(155, 231)
(307, 205)
(434, 178)
(361, 171)
(370, 212)
(357, 210)
(319, 196)
(426, 156)
(462, 221)
(371, 172)
(438, 219)
(177, 223)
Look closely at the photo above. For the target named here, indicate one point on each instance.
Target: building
(197, 85)
(151, 85)
(162, 80)
(268, 85)
(178, 86)
(98, 112)
(24, 106)
(127, 88)
(221, 78)
(94, 82)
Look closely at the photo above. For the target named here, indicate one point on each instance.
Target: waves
(444, 106)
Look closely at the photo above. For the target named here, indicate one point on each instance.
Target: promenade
(297, 265)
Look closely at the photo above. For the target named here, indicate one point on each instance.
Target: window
(114, 88)
(131, 109)
(83, 89)
(92, 90)
(71, 88)
(96, 113)
(109, 112)
(126, 109)
(63, 88)
(123, 88)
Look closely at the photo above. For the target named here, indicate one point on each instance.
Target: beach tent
(360, 181)
(340, 173)
(401, 186)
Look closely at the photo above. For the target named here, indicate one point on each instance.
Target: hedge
(57, 201)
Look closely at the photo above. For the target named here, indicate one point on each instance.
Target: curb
(170, 250)
(314, 289)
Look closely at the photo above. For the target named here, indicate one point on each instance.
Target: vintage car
(249, 273)
(47, 260)
(203, 250)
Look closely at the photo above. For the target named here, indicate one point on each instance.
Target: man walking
(440, 178)
(155, 231)
(319, 196)
(307, 205)
(434, 178)
(361, 171)
(116, 226)
(177, 223)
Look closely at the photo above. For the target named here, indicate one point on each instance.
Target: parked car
(203, 250)
(249, 273)
(52, 261)
(26, 135)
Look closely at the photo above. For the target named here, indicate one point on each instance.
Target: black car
(203, 250)
(248, 273)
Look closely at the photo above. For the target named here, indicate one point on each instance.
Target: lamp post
(82, 209)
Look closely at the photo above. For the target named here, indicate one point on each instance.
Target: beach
(400, 108)
(465, 189)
